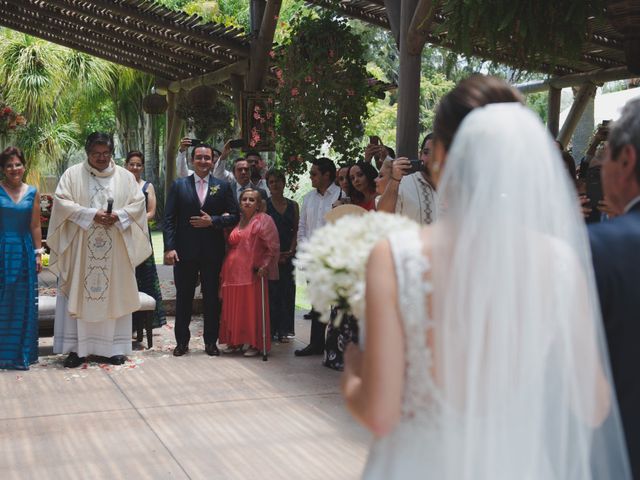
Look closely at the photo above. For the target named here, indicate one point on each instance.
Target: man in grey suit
(616, 258)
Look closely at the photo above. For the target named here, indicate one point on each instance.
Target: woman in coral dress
(253, 254)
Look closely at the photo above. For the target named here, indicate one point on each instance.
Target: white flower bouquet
(334, 260)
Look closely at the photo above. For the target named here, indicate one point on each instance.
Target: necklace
(10, 187)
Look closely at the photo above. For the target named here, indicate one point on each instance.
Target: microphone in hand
(109, 205)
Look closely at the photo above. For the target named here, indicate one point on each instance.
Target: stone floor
(195, 417)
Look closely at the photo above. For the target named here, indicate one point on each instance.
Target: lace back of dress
(411, 266)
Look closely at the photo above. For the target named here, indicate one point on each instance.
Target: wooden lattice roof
(136, 33)
(603, 49)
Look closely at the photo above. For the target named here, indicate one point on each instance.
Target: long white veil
(519, 347)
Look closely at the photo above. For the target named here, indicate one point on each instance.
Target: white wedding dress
(411, 449)
(516, 383)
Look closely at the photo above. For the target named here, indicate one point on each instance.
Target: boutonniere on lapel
(213, 190)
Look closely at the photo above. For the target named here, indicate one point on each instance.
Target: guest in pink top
(254, 247)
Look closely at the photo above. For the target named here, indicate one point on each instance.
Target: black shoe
(180, 350)
(211, 349)
(308, 351)
(73, 360)
(117, 360)
(307, 316)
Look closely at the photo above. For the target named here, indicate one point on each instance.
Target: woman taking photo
(20, 261)
(282, 292)
(146, 272)
(252, 258)
(362, 178)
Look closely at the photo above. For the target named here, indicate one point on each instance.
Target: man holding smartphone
(410, 191)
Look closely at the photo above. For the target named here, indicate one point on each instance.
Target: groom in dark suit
(616, 258)
(197, 210)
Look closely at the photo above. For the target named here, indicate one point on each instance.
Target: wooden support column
(585, 94)
(553, 117)
(256, 14)
(261, 45)
(174, 127)
(237, 84)
(407, 127)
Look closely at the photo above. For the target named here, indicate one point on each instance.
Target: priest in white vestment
(94, 253)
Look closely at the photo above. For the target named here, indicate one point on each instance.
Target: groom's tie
(202, 191)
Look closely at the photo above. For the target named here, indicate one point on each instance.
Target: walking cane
(264, 323)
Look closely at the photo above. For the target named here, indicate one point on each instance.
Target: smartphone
(374, 140)
(416, 166)
(196, 142)
(594, 193)
(238, 143)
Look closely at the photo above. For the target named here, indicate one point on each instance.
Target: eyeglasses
(100, 154)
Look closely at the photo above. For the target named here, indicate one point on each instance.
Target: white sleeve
(302, 223)
(182, 170)
(83, 218)
(220, 170)
(124, 220)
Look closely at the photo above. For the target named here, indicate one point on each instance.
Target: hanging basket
(154, 104)
(202, 97)
(624, 16)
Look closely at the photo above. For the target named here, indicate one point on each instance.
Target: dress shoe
(307, 351)
(117, 360)
(73, 360)
(180, 350)
(251, 352)
(211, 349)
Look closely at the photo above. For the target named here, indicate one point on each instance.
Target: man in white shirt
(315, 205)
(411, 194)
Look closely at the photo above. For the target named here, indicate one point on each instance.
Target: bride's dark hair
(472, 92)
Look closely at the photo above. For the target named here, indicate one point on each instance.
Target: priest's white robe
(95, 265)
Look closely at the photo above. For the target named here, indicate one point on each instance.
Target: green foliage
(538, 102)
(527, 28)
(322, 93)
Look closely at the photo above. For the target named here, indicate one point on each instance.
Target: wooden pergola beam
(101, 16)
(420, 26)
(121, 58)
(260, 47)
(584, 95)
(596, 76)
(211, 78)
(107, 37)
(101, 8)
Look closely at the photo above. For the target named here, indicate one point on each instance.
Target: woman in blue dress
(20, 261)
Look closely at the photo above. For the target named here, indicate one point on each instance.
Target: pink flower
(256, 116)
(294, 92)
(331, 53)
(7, 110)
(308, 79)
(272, 54)
(256, 108)
(350, 92)
(269, 115)
(278, 73)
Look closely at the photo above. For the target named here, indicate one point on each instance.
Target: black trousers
(185, 274)
(318, 330)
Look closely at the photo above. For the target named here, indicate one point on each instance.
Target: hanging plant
(206, 119)
(322, 92)
(540, 31)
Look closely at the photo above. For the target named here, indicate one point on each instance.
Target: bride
(498, 366)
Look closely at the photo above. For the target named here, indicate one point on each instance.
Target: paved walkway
(195, 417)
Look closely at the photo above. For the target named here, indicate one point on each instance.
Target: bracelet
(38, 251)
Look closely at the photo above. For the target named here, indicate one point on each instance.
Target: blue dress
(18, 283)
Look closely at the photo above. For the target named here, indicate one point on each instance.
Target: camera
(416, 166)
(196, 142)
(594, 193)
